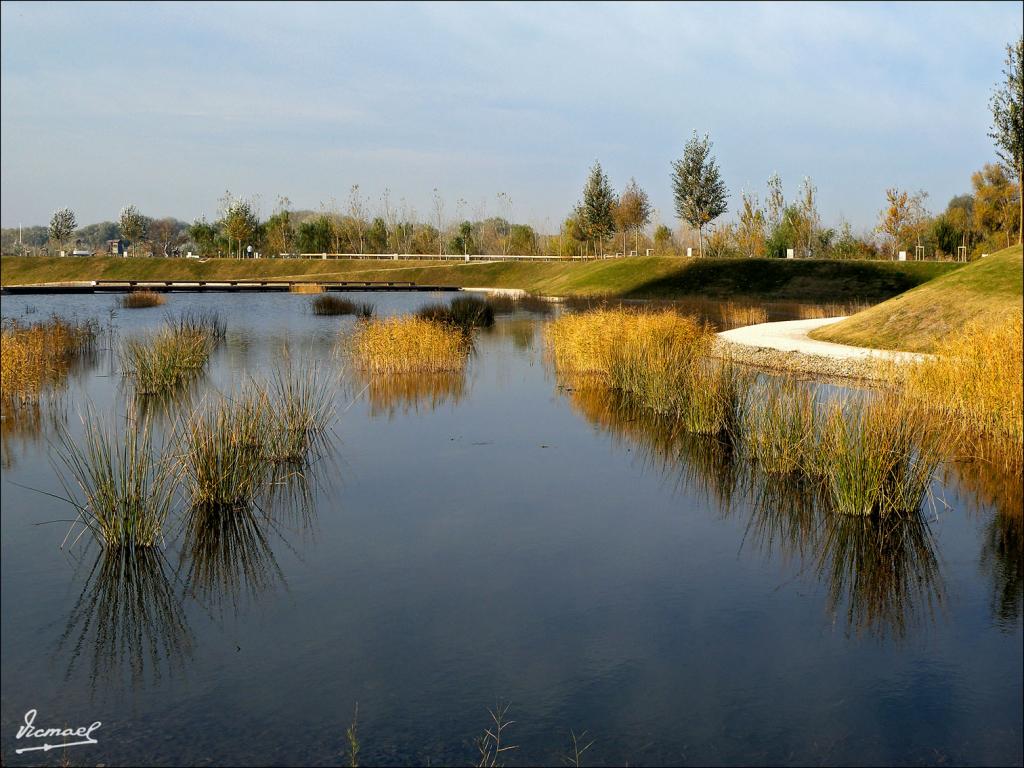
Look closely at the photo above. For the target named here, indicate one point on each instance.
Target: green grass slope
(987, 290)
(641, 277)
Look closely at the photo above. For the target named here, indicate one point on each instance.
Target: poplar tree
(700, 194)
(132, 226)
(62, 224)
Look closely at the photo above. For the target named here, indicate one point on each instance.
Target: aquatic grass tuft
(466, 312)
(121, 483)
(142, 299)
(35, 357)
(205, 322)
(660, 358)
(160, 361)
(223, 459)
(874, 460)
(298, 408)
(327, 304)
(780, 426)
(975, 382)
(408, 345)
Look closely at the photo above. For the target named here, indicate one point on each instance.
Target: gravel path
(786, 346)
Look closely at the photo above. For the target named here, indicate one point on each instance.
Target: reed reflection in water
(227, 557)
(129, 622)
(881, 573)
(390, 395)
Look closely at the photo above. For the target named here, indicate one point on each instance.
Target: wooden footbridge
(220, 286)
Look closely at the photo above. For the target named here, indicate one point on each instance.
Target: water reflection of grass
(227, 555)
(879, 569)
(388, 395)
(883, 570)
(128, 619)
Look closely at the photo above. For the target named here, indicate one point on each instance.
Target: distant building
(116, 247)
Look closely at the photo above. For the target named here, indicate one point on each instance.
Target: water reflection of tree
(128, 620)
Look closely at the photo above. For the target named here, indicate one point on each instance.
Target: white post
(689, 253)
(902, 256)
(790, 253)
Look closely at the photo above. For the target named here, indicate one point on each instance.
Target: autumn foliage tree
(632, 213)
(1008, 122)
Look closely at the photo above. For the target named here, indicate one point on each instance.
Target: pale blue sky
(166, 106)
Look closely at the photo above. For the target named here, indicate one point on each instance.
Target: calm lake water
(491, 539)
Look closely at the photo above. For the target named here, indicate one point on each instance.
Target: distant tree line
(988, 217)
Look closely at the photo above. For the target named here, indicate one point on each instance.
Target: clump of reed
(660, 358)
(126, 480)
(223, 460)
(36, 356)
(466, 312)
(142, 299)
(328, 304)
(615, 345)
(159, 362)
(306, 288)
(232, 443)
(873, 459)
(298, 410)
(205, 322)
(780, 427)
(408, 344)
(737, 315)
(976, 382)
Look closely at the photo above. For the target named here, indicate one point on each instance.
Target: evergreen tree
(598, 205)
(697, 186)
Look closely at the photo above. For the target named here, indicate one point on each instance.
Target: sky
(167, 106)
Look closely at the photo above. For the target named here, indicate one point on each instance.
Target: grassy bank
(986, 291)
(643, 277)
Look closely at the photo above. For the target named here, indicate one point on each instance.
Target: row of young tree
(991, 216)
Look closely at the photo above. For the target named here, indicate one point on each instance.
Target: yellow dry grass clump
(306, 288)
(142, 299)
(408, 344)
(660, 358)
(37, 355)
(976, 381)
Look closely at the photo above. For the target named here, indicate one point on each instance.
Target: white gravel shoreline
(786, 346)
